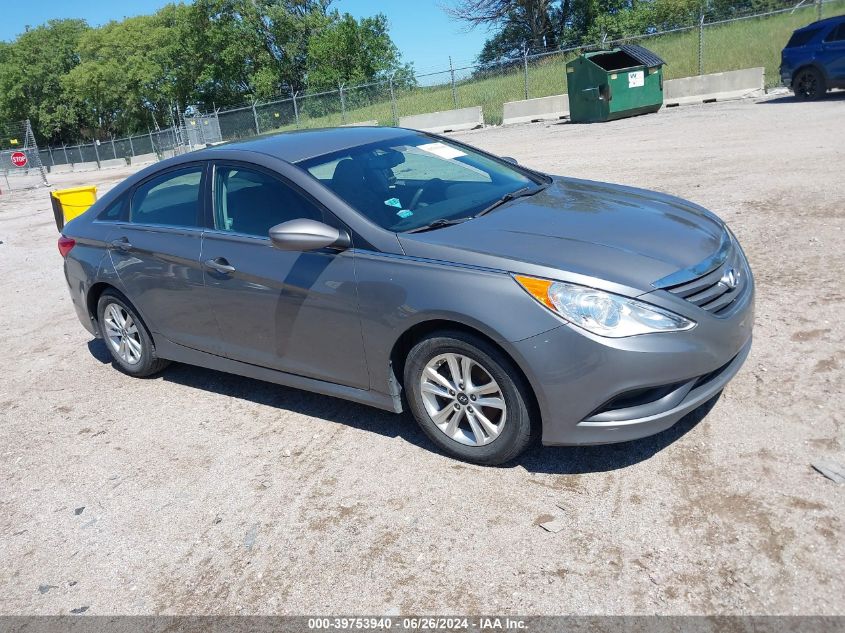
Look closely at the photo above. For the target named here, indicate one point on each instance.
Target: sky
(423, 32)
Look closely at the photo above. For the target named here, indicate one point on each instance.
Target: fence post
(454, 88)
(64, 148)
(255, 118)
(152, 145)
(113, 149)
(342, 105)
(701, 43)
(50, 151)
(96, 153)
(131, 147)
(295, 108)
(393, 102)
(525, 67)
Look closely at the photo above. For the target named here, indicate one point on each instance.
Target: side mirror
(308, 235)
(510, 159)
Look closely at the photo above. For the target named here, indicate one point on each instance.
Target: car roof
(300, 145)
(814, 25)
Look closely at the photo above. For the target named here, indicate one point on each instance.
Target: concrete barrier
(446, 121)
(530, 110)
(361, 124)
(61, 169)
(112, 162)
(734, 84)
(144, 159)
(89, 166)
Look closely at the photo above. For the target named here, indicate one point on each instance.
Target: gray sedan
(405, 270)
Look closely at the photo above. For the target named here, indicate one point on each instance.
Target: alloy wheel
(122, 334)
(463, 399)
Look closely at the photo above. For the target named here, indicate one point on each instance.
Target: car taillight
(65, 244)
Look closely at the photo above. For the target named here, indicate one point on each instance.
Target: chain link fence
(705, 45)
(708, 43)
(148, 147)
(20, 160)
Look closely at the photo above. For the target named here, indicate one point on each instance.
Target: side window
(837, 34)
(113, 212)
(171, 199)
(251, 202)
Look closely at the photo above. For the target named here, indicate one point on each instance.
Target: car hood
(618, 234)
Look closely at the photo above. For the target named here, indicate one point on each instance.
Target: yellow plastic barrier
(69, 203)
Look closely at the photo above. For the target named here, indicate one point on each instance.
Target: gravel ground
(200, 492)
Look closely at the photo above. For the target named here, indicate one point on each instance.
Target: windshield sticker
(393, 202)
(442, 150)
(405, 213)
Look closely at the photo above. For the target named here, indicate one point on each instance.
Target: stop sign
(19, 159)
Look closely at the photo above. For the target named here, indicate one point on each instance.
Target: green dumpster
(614, 84)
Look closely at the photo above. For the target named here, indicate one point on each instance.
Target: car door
(292, 311)
(156, 255)
(833, 54)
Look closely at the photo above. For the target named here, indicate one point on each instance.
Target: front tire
(468, 397)
(126, 336)
(809, 85)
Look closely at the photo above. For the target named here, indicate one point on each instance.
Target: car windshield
(411, 182)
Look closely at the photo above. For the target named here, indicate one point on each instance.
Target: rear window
(801, 38)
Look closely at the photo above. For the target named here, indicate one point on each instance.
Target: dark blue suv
(813, 61)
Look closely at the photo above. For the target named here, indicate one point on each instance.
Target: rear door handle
(220, 264)
(122, 243)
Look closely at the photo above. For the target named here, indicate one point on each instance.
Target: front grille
(714, 291)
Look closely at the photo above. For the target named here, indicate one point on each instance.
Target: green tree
(32, 69)
(350, 52)
(128, 74)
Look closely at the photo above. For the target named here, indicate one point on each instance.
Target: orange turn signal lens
(537, 288)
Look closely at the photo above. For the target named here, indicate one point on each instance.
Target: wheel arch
(93, 297)
(815, 66)
(423, 329)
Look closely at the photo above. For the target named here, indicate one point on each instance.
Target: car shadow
(577, 460)
(99, 351)
(560, 460)
(836, 95)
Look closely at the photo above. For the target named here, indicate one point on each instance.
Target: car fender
(397, 293)
(811, 64)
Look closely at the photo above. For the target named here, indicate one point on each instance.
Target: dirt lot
(200, 492)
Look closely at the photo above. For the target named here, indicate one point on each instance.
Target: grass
(742, 44)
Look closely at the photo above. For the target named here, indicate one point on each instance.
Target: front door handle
(221, 265)
(122, 243)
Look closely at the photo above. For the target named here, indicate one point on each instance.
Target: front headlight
(600, 312)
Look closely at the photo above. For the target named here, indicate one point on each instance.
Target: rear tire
(468, 397)
(127, 337)
(809, 85)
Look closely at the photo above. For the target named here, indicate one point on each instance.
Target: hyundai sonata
(405, 270)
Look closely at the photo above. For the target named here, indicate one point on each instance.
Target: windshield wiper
(513, 195)
(439, 224)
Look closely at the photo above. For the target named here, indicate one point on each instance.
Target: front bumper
(594, 390)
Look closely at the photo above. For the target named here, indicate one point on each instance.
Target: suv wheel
(809, 85)
(468, 398)
(126, 336)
